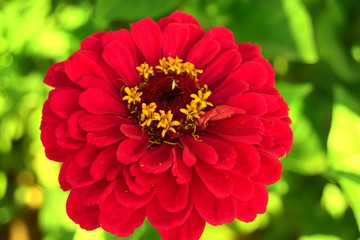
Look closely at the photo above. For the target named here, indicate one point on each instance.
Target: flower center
(168, 101)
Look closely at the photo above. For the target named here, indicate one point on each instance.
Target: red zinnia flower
(165, 121)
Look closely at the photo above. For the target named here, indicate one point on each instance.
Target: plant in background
(168, 122)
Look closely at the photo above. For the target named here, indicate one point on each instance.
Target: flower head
(165, 122)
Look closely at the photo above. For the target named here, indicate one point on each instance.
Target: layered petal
(119, 219)
(147, 36)
(163, 219)
(191, 229)
(179, 39)
(172, 196)
(98, 102)
(212, 209)
(248, 210)
(157, 160)
(122, 61)
(87, 216)
(246, 129)
(168, 122)
(130, 199)
(131, 150)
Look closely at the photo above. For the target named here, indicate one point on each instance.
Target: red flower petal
(202, 150)
(248, 160)
(280, 136)
(161, 218)
(122, 61)
(252, 73)
(84, 157)
(172, 196)
(78, 176)
(118, 219)
(123, 36)
(131, 150)
(253, 103)
(270, 81)
(179, 38)
(243, 187)
(213, 210)
(98, 102)
(220, 112)
(148, 38)
(104, 161)
(73, 125)
(189, 158)
(135, 186)
(247, 129)
(182, 172)
(191, 229)
(117, 179)
(157, 160)
(225, 151)
(86, 216)
(63, 138)
(56, 76)
(204, 51)
(220, 67)
(260, 198)
(249, 51)
(270, 169)
(104, 85)
(225, 37)
(48, 114)
(178, 17)
(219, 182)
(229, 88)
(105, 138)
(142, 178)
(94, 122)
(93, 42)
(84, 63)
(113, 172)
(129, 199)
(133, 131)
(247, 210)
(97, 192)
(64, 185)
(64, 102)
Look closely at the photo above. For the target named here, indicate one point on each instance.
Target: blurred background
(314, 46)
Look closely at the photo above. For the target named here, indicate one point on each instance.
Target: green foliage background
(314, 46)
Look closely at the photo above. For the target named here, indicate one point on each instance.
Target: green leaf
(264, 23)
(331, 48)
(299, 18)
(344, 153)
(124, 10)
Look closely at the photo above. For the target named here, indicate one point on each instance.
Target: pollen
(201, 97)
(145, 70)
(177, 66)
(147, 114)
(169, 100)
(133, 95)
(166, 122)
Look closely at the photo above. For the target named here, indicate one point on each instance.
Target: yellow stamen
(133, 95)
(166, 122)
(145, 70)
(157, 122)
(201, 97)
(174, 84)
(147, 114)
(191, 111)
(176, 65)
(190, 69)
